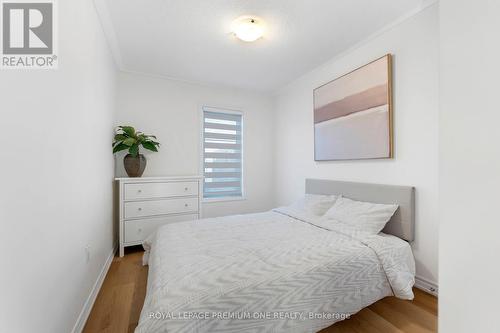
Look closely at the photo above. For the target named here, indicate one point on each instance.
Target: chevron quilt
(267, 272)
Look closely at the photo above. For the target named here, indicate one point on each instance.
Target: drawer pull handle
(139, 209)
(139, 230)
(185, 205)
(139, 191)
(185, 188)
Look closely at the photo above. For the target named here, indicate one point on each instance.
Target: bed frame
(402, 223)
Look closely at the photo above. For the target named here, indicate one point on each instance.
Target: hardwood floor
(119, 303)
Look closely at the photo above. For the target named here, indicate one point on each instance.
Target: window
(222, 154)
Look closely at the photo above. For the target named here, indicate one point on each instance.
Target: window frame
(223, 110)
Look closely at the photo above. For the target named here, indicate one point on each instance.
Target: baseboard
(89, 303)
(427, 286)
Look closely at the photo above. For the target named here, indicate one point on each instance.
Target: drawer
(137, 209)
(138, 230)
(141, 191)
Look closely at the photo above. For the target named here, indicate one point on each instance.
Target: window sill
(214, 200)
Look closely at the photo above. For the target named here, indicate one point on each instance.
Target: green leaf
(129, 141)
(129, 130)
(149, 146)
(119, 147)
(127, 137)
(134, 150)
(141, 138)
(120, 137)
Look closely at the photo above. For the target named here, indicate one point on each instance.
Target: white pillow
(364, 216)
(314, 204)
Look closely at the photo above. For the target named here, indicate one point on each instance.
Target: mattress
(266, 272)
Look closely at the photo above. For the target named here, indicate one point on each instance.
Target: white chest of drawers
(150, 202)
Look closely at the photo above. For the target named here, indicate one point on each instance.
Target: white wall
(172, 109)
(414, 44)
(57, 171)
(469, 174)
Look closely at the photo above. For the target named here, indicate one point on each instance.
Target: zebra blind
(222, 153)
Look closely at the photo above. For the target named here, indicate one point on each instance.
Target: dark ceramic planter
(134, 166)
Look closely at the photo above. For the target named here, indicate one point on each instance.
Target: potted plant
(126, 137)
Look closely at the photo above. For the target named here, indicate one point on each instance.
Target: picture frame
(353, 114)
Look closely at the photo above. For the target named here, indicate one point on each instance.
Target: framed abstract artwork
(353, 114)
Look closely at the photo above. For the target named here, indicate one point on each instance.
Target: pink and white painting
(353, 114)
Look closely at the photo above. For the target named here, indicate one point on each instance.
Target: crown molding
(424, 6)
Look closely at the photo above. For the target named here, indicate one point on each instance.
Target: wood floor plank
(139, 294)
(426, 301)
(406, 315)
(114, 311)
(369, 321)
(365, 321)
(120, 300)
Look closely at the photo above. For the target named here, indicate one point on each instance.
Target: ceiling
(190, 39)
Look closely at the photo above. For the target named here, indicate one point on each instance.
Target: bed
(276, 271)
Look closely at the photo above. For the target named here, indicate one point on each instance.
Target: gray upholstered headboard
(402, 223)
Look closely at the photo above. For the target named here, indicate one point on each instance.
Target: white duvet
(267, 272)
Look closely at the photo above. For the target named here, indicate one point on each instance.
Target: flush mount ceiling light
(248, 28)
